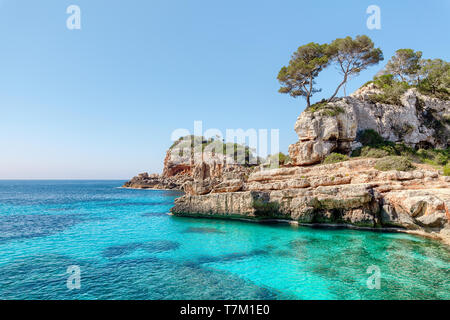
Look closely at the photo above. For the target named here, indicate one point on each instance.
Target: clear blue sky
(102, 102)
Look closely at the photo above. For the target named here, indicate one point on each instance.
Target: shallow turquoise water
(128, 248)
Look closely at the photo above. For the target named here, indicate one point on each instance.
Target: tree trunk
(308, 97)
(338, 88)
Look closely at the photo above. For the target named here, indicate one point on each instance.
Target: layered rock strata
(350, 193)
(420, 121)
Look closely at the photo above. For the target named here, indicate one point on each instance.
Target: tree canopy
(435, 75)
(350, 55)
(307, 62)
(406, 69)
(405, 65)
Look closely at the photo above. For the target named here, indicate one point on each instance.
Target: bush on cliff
(188, 145)
(276, 160)
(374, 146)
(326, 109)
(447, 170)
(434, 157)
(335, 158)
(394, 163)
(406, 69)
(369, 152)
(392, 90)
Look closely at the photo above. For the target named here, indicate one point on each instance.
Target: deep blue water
(127, 247)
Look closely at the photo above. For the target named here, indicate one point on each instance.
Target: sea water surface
(127, 247)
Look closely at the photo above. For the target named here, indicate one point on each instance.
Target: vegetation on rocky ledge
(335, 158)
(394, 156)
(192, 144)
(325, 109)
(405, 70)
(374, 146)
(394, 163)
(275, 160)
(447, 170)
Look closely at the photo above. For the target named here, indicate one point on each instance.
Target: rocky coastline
(352, 193)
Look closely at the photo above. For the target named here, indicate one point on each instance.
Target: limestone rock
(434, 220)
(349, 193)
(334, 128)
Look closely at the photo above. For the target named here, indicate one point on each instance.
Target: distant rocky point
(195, 173)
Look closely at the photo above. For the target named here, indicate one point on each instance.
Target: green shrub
(441, 159)
(283, 158)
(385, 80)
(190, 144)
(392, 90)
(369, 152)
(447, 170)
(317, 106)
(374, 146)
(326, 109)
(335, 158)
(275, 160)
(433, 156)
(394, 163)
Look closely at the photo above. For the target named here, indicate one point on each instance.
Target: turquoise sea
(127, 247)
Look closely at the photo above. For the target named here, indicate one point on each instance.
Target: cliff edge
(388, 184)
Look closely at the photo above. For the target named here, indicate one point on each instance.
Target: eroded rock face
(216, 178)
(195, 173)
(350, 193)
(419, 121)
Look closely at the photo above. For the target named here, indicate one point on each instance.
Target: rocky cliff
(195, 172)
(351, 193)
(420, 121)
